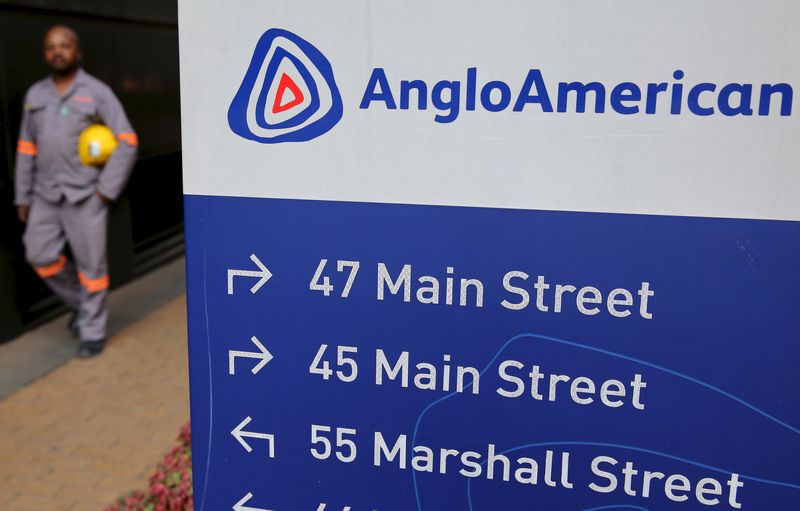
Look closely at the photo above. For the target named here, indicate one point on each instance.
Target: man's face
(61, 50)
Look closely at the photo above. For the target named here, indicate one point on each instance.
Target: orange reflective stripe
(130, 138)
(26, 147)
(49, 270)
(93, 285)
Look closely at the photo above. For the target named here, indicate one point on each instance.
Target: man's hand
(103, 198)
(22, 212)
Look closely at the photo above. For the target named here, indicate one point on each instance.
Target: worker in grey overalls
(59, 199)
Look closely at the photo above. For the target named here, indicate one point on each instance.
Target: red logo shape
(287, 83)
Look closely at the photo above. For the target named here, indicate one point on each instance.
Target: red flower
(171, 484)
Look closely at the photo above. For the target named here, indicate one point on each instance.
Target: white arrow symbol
(240, 435)
(263, 272)
(240, 506)
(265, 357)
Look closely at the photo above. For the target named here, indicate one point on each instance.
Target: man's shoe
(89, 349)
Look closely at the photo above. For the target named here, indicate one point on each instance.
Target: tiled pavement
(91, 430)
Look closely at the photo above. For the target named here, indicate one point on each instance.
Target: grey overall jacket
(47, 163)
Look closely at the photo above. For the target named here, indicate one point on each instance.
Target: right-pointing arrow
(240, 506)
(263, 274)
(239, 434)
(264, 355)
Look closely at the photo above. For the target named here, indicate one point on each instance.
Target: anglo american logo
(288, 93)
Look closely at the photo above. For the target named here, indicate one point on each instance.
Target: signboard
(492, 256)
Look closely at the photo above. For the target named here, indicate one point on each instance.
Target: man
(59, 199)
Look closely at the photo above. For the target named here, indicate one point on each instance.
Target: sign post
(479, 256)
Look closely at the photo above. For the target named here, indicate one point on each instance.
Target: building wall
(133, 47)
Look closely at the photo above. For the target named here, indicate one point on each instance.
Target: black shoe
(72, 326)
(89, 349)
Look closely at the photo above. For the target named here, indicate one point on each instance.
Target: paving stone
(92, 430)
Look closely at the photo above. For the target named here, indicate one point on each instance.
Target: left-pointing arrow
(239, 434)
(240, 506)
(262, 354)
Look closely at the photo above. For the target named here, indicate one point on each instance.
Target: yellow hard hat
(96, 144)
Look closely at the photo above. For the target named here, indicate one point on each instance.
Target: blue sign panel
(362, 356)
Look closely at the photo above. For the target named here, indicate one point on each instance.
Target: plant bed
(170, 486)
